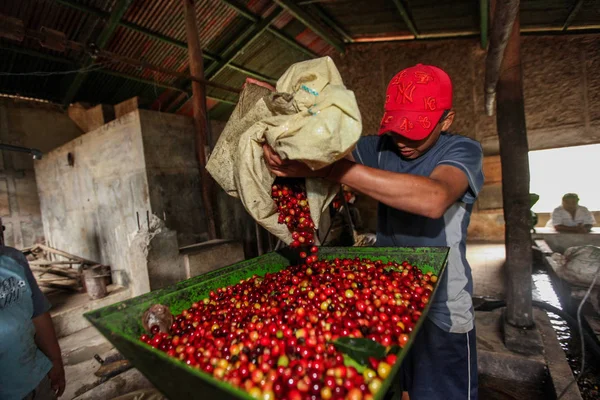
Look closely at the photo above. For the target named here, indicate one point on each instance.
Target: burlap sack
(311, 117)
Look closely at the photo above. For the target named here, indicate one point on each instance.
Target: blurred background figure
(570, 217)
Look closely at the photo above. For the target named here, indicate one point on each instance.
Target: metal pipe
(254, 18)
(572, 14)
(37, 155)
(484, 17)
(406, 18)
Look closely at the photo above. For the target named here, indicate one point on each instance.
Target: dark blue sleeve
(467, 155)
(40, 303)
(365, 152)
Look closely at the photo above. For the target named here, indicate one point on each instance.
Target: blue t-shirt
(452, 308)
(22, 363)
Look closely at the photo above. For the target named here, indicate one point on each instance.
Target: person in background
(570, 217)
(31, 366)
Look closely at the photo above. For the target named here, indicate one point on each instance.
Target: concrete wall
(173, 174)
(89, 209)
(35, 125)
(561, 88)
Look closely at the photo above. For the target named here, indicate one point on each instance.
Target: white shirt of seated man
(571, 214)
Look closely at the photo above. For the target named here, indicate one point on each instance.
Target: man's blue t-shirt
(452, 308)
(22, 364)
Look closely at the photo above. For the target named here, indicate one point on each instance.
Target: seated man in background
(31, 366)
(570, 217)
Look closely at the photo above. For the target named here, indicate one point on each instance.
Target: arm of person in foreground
(427, 196)
(45, 338)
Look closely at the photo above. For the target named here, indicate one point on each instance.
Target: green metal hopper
(122, 326)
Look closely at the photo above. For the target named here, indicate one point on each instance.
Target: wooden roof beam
(310, 23)
(406, 18)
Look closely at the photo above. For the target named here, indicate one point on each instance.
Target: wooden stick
(71, 288)
(74, 274)
(54, 280)
(48, 262)
(66, 255)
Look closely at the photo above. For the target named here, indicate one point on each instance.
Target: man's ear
(448, 121)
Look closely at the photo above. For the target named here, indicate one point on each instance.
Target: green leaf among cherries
(349, 362)
(360, 349)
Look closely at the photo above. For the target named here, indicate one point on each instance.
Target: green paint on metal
(242, 42)
(572, 14)
(406, 18)
(121, 322)
(330, 22)
(484, 21)
(157, 36)
(310, 23)
(254, 18)
(109, 29)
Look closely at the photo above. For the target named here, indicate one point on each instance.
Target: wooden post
(514, 149)
(200, 114)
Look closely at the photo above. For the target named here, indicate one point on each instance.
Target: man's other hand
(290, 168)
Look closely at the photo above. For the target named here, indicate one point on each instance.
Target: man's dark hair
(570, 196)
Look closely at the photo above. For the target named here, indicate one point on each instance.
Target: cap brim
(414, 125)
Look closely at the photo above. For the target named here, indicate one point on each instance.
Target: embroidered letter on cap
(405, 92)
(424, 121)
(386, 119)
(430, 103)
(406, 125)
(423, 77)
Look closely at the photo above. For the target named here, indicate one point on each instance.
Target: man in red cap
(426, 181)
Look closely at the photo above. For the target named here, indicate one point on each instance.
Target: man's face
(570, 204)
(412, 149)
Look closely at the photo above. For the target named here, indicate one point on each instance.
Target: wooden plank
(73, 273)
(66, 255)
(48, 262)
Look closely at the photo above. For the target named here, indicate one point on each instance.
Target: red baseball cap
(415, 100)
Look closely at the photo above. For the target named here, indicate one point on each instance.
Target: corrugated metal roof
(219, 25)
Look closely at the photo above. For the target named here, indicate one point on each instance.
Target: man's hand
(290, 168)
(57, 378)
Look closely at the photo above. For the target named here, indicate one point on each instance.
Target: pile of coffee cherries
(290, 198)
(273, 336)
